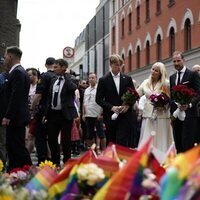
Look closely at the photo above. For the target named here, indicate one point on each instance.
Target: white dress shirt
(181, 75)
(55, 89)
(116, 79)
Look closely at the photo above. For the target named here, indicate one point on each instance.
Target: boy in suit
(110, 89)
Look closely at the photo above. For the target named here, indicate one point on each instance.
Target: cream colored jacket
(146, 89)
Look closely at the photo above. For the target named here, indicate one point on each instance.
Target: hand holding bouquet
(159, 101)
(129, 98)
(182, 96)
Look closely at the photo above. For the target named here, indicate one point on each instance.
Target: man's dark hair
(62, 63)
(178, 53)
(34, 71)
(14, 50)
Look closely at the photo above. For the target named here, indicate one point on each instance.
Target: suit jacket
(17, 90)
(107, 95)
(67, 98)
(191, 79)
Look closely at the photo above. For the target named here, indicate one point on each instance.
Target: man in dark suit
(61, 112)
(110, 89)
(39, 105)
(184, 131)
(17, 111)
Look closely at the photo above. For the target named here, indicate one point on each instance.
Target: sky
(48, 26)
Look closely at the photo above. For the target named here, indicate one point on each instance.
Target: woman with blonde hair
(156, 120)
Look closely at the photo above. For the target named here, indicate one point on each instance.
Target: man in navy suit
(61, 112)
(184, 131)
(110, 89)
(17, 111)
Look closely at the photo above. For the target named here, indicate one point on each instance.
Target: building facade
(146, 31)
(9, 25)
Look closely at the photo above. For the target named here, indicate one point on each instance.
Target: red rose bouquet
(182, 95)
(129, 98)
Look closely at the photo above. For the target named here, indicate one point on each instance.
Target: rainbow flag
(180, 170)
(118, 187)
(117, 152)
(42, 180)
(59, 184)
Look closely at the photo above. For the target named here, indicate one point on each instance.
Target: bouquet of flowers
(159, 101)
(129, 98)
(88, 177)
(182, 95)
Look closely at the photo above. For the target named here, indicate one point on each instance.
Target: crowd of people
(54, 112)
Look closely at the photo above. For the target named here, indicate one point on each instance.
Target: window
(130, 22)
(158, 7)
(187, 29)
(147, 53)
(159, 47)
(171, 3)
(123, 69)
(171, 41)
(129, 61)
(147, 10)
(113, 6)
(122, 28)
(123, 2)
(113, 35)
(138, 17)
(138, 57)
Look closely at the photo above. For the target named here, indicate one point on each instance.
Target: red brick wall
(176, 11)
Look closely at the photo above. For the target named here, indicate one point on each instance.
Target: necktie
(179, 78)
(55, 98)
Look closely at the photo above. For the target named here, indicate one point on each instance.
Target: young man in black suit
(110, 89)
(17, 111)
(61, 112)
(184, 131)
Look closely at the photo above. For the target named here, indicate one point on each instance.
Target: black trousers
(122, 130)
(184, 133)
(18, 155)
(56, 123)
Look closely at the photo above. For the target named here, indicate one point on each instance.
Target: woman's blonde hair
(163, 72)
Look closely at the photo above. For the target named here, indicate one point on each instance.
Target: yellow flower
(47, 163)
(1, 166)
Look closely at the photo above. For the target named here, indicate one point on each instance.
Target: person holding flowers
(156, 112)
(184, 109)
(110, 90)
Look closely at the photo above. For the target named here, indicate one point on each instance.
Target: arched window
(171, 41)
(158, 6)
(147, 53)
(159, 47)
(129, 22)
(138, 57)
(138, 16)
(129, 61)
(147, 10)
(122, 28)
(113, 35)
(123, 69)
(187, 29)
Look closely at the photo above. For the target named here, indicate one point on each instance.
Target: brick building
(9, 24)
(146, 31)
